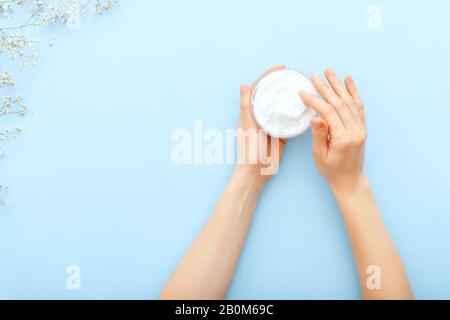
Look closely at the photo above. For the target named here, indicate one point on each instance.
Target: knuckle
(338, 136)
(345, 144)
(340, 104)
(349, 101)
(352, 141)
(362, 116)
(328, 110)
(360, 140)
(245, 106)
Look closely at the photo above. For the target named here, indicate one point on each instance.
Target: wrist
(250, 173)
(356, 201)
(347, 187)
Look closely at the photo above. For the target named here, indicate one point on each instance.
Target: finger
(332, 98)
(276, 147)
(324, 90)
(245, 97)
(337, 86)
(320, 137)
(266, 73)
(357, 112)
(353, 91)
(326, 111)
(246, 102)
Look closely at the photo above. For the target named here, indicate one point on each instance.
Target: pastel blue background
(91, 182)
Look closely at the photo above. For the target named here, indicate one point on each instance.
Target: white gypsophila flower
(5, 80)
(15, 44)
(5, 10)
(13, 106)
(18, 47)
(10, 133)
(72, 11)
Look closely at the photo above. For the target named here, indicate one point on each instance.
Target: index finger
(327, 111)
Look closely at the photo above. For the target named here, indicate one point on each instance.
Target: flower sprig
(17, 46)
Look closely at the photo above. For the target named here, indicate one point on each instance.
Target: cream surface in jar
(276, 104)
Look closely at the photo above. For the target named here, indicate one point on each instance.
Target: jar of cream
(276, 104)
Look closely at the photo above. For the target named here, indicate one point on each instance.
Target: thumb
(246, 93)
(320, 137)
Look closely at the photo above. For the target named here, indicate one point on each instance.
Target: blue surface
(91, 182)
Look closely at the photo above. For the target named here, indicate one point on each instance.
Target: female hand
(339, 138)
(258, 153)
(340, 134)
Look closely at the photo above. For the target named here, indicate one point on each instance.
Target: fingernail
(329, 71)
(315, 76)
(243, 89)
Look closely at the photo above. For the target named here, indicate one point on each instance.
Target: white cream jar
(276, 104)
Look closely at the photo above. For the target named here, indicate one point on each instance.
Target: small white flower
(72, 11)
(15, 44)
(6, 80)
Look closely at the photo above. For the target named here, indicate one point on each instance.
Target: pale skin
(339, 136)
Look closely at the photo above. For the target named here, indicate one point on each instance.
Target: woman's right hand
(339, 135)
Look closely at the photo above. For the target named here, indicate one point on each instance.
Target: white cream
(277, 107)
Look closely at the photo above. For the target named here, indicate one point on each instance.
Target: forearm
(371, 243)
(206, 270)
